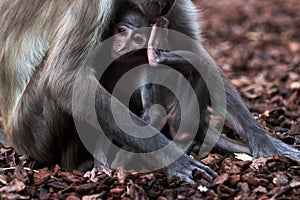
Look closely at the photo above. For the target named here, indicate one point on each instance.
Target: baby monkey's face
(127, 33)
(128, 38)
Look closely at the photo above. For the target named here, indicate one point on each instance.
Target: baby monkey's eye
(121, 30)
(138, 39)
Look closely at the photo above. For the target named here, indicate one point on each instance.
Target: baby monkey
(132, 47)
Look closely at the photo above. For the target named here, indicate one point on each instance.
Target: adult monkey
(44, 46)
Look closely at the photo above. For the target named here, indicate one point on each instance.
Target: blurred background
(257, 44)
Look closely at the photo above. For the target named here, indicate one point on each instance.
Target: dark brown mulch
(257, 44)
